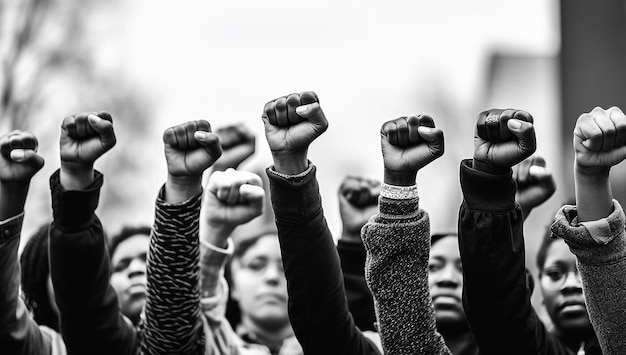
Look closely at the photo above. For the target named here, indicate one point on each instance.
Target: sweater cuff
(293, 196)
(487, 192)
(74, 210)
(601, 240)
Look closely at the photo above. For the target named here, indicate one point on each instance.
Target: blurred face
(129, 274)
(259, 284)
(562, 290)
(446, 282)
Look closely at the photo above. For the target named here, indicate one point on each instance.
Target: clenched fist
(535, 183)
(238, 143)
(291, 123)
(190, 149)
(409, 144)
(19, 160)
(358, 201)
(503, 138)
(84, 138)
(600, 139)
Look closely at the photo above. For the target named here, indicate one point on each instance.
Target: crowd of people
(195, 283)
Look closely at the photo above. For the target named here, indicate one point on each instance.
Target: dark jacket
(496, 295)
(317, 302)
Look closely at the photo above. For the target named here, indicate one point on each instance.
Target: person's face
(446, 282)
(562, 290)
(129, 274)
(259, 284)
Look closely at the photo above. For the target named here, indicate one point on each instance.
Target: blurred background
(156, 63)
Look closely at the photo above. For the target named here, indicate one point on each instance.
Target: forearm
(172, 311)
(317, 306)
(495, 295)
(91, 321)
(397, 241)
(594, 199)
(12, 199)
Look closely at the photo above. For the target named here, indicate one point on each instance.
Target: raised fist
(358, 201)
(291, 124)
(238, 143)
(409, 144)
(19, 160)
(85, 137)
(535, 183)
(232, 198)
(600, 139)
(190, 148)
(503, 138)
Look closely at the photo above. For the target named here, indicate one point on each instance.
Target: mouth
(572, 307)
(136, 290)
(271, 298)
(446, 299)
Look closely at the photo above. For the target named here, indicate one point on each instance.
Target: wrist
(291, 163)
(217, 234)
(76, 177)
(12, 199)
(488, 167)
(400, 178)
(182, 188)
(593, 173)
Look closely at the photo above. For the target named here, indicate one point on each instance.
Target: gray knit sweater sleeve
(602, 266)
(397, 241)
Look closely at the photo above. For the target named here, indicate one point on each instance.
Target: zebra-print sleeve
(172, 321)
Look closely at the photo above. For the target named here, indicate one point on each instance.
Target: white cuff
(398, 192)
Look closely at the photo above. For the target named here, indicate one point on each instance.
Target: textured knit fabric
(172, 322)
(496, 295)
(602, 267)
(360, 301)
(317, 302)
(19, 334)
(397, 241)
(91, 321)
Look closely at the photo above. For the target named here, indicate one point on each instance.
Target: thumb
(104, 128)
(210, 142)
(251, 193)
(27, 156)
(312, 112)
(525, 134)
(434, 137)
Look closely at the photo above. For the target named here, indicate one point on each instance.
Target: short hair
(438, 236)
(34, 262)
(126, 233)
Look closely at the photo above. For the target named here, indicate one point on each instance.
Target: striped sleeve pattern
(172, 321)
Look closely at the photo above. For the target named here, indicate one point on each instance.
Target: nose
(572, 283)
(273, 273)
(137, 267)
(448, 277)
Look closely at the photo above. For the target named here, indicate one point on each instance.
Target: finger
(281, 112)
(103, 128)
(270, 113)
(29, 141)
(426, 120)
(27, 156)
(525, 133)
(390, 131)
(492, 126)
(608, 131)
(169, 137)
(180, 133)
(233, 194)
(250, 193)
(105, 116)
(5, 146)
(413, 123)
(538, 172)
(210, 142)
(590, 132)
(619, 121)
(69, 126)
(293, 102)
(538, 161)
(314, 114)
(434, 137)
(403, 132)
(308, 97)
(522, 171)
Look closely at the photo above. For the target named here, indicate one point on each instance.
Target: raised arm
(173, 323)
(19, 162)
(358, 202)
(397, 240)
(231, 198)
(317, 301)
(594, 229)
(91, 321)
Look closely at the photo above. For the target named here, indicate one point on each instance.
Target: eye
(554, 274)
(434, 265)
(256, 264)
(121, 265)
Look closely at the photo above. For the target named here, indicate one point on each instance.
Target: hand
(409, 144)
(600, 140)
(503, 138)
(358, 201)
(535, 183)
(190, 149)
(231, 198)
(84, 138)
(19, 160)
(291, 124)
(238, 143)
